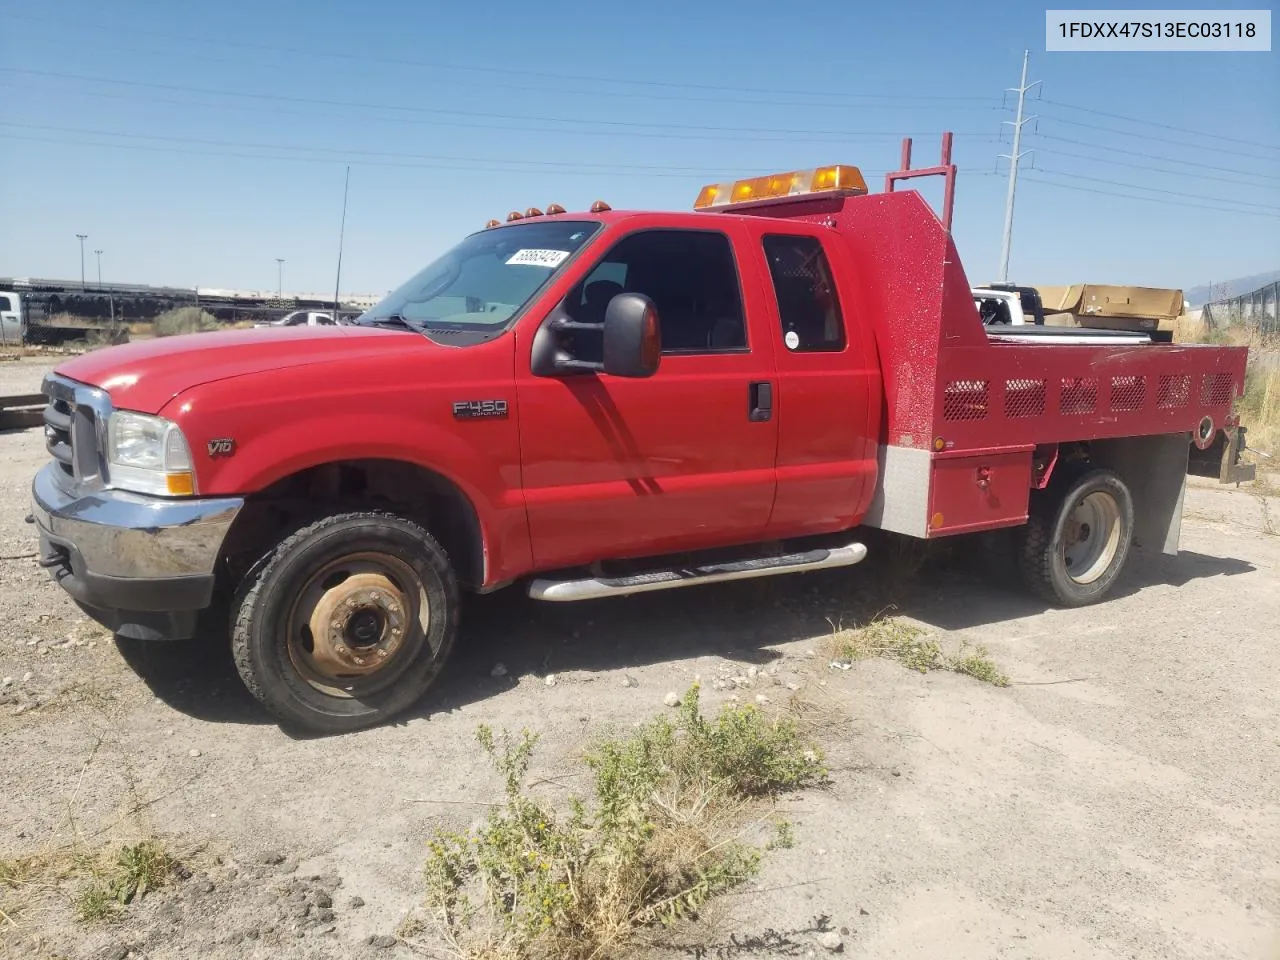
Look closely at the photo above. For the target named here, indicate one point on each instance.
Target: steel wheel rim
(357, 623)
(1091, 537)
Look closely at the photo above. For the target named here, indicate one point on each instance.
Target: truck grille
(58, 418)
(74, 418)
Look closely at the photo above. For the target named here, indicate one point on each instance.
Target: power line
(434, 124)
(1252, 207)
(1153, 156)
(1147, 136)
(240, 144)
(331, 54)
(1190, 174)
(1130, 196)
(491, 166)
(859, 101)
(358, 105)
(1162, 126)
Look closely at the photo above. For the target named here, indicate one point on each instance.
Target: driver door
(615, 467)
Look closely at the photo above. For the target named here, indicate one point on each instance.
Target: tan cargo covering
(1110, 307)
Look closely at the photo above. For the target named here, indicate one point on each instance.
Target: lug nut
(382, 653)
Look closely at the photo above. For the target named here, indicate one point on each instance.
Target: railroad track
(21, 411)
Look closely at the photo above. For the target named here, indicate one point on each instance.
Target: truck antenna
(1013, 158)
(337, 283)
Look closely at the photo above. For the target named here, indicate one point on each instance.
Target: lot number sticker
(539, 258)
(792, 339)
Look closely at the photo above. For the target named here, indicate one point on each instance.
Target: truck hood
(147, 374)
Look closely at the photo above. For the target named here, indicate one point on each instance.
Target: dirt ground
(1119, 799)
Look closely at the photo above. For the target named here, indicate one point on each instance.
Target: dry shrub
(895, 639)
(110, 877)
(1260, 406)
(659, 841)
(184, 320)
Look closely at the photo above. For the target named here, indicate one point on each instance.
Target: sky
(194, 144)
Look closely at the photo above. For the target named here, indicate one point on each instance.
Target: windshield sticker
(539, 258)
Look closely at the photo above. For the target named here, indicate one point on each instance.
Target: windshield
(483, 281)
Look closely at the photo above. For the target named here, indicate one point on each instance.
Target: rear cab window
(805, 292)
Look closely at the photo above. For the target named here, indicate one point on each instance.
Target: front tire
(1074, 545)
(346, 623)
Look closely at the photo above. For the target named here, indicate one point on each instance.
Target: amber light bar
(838, 179)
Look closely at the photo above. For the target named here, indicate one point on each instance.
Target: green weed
(655, 843)
(895, 639)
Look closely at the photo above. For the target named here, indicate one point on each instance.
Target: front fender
(239, 448)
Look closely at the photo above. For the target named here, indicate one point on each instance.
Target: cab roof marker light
(837, 180)
(514, 215)
(553, 209)
(533, 212)
(493, 223)
(600, 207)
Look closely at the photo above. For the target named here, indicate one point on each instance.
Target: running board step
(592, 588)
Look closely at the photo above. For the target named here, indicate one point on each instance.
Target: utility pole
(279, 276)
(1013, 159)
(82, 237)
(111, 298)
(337, 282)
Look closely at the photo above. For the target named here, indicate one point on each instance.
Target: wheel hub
(358, 625)
(1091, 537)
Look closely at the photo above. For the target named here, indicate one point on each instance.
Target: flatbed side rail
(1017, 393)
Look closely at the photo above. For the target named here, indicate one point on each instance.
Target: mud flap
(1155, 470)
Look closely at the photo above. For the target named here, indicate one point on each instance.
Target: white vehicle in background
(301, 318)
(1016, 314)
(12, 326)
(1009, 305)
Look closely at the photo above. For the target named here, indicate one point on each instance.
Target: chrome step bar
(592, 588)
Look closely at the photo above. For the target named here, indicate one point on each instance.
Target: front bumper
(141, 566)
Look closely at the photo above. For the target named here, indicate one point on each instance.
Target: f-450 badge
(222, 447)
(471, 409)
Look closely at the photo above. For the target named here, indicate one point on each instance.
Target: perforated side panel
(1079, 395)
(1215, 389)
(965, 400)
(1024, 398)
(1128, 393)
(1174, 390)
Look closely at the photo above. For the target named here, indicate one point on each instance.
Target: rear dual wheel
(346, 623)
(1077, 538)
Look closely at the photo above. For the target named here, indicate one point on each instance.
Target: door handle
(760, 401)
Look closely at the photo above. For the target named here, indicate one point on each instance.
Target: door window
(808, 306)
(692, 279)
(5, 304)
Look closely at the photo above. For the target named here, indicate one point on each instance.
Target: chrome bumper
(124, 556)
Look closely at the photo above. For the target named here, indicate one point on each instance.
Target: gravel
(1118, 800)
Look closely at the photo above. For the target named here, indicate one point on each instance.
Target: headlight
(148, 455)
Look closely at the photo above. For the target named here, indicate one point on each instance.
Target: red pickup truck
(598, 404)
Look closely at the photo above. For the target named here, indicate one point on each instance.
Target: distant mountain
(1226, 289)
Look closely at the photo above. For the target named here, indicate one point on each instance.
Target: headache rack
(973, 422)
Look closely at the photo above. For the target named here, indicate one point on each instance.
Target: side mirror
(632, 336)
